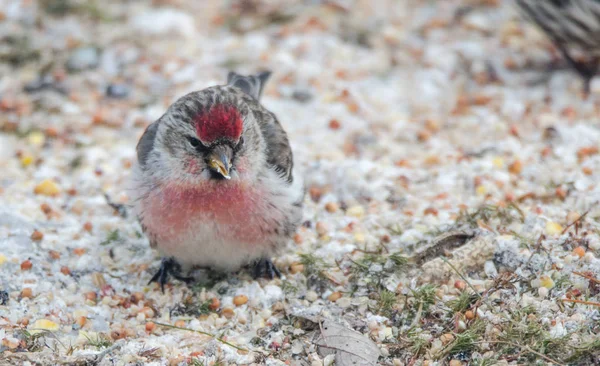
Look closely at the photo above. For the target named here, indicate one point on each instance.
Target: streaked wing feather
(569, 23)
(146, 144)
(279, 153)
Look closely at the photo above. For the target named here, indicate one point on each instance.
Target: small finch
(574, 27)
(214, 185)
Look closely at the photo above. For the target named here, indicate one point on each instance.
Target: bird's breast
(231, 210)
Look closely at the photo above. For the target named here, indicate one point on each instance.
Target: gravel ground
(451, 160)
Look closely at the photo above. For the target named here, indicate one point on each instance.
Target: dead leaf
(350, 347)
(440, 245)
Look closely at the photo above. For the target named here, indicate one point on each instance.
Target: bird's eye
(194, 141)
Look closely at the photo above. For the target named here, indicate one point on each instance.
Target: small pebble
(41, 83)
(10, 343)
(572, 216)
(297, 347)
(136, 297)
(447, 338)
(490, 269)
(516, 167)
(334, 296)
(37, 235)
(81, 320)
(298, 238)
(26, 160)
(118, 91)
(344, 302)
(331, 207)
(3, 297)
(594, 243)
(27, 293)
(150, 327)
(240, 300)
(302, 96)
(83, 58)
(579, 251)
(460, 285)
(228, 313)
(311, 296)
(321, 228)
(546, 281)
(36, 138)
(47, 187)
(180, 324)
(334, 124)
(118, 334)
(79, 251)
(88, 227)
(553, 228)
(215, 304)
(296, 268)
(148, 312)
(26, 265)
(98, 280)
(373, 325)
(44, 324)
(91, 296)
(356, 211)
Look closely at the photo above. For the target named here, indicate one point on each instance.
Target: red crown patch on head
(220, 121)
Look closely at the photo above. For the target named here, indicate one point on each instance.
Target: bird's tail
(251, 84)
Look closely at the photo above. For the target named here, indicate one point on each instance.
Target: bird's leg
(168, 266)
(265, 268)
(587, 70)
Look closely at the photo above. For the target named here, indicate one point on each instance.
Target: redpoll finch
(573, 26)
(214, 186)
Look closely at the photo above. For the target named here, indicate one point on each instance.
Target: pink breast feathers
(220, 121)
(234, 210)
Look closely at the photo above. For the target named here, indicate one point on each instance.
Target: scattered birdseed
(451, 168)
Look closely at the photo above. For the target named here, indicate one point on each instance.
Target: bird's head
(212, 135)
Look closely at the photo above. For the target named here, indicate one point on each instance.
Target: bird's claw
(168, 267)
(265, 268)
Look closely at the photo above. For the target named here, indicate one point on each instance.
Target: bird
(215, 185)
(574, 27)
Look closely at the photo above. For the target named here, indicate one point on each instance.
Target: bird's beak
(218, 161)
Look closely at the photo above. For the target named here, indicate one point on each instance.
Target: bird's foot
(264, 268)
(169, 267)
(587, 69)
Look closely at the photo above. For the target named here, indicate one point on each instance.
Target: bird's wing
(146, 144)
(567, 22)
(279, 151)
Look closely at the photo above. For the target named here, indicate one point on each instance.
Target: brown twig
(575, 222)
(538, 245)
(582, 302)
(587, 276)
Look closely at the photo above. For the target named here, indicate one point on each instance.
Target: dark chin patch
(216, 176)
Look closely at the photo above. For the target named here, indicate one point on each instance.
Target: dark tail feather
(251, 84)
